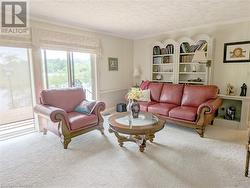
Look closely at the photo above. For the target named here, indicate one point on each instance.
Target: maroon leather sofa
(188, 105)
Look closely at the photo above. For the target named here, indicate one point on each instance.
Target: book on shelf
(157, 60)
(163, 51)
(156, 50)
(186, 48)
(204, 47)
(156, 68)
(201, 45)
(168, 50)
(186, 58)
(166, 59)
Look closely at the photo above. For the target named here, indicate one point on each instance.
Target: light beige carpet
(178, 158)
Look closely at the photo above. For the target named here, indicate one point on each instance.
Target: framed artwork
(113, 64)
(237, 52)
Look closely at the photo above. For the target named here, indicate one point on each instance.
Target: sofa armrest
(211, 106)
(50, 112)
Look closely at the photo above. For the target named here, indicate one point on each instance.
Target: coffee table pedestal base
(140, 140)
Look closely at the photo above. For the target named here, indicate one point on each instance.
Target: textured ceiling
(139, 18)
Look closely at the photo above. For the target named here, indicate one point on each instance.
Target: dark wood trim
(247, 155)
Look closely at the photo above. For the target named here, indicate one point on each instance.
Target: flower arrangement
(134, 94)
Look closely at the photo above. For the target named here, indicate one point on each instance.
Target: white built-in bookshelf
(172, 60)
(164, 61)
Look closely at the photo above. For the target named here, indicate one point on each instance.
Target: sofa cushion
(161, 108)
(184, 113)
(196, 95)
(67, 99)
(78, 120)
(155, 91)
(144, 105)
(172, 93)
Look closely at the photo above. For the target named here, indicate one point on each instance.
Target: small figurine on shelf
(194, 68)
(243, 90)
(185, 68)
(230, 89)
(158, 77)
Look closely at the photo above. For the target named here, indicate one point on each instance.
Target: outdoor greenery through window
(69, 69)
(15, 85)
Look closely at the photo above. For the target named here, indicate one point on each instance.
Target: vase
(135, 108)
(129, 105)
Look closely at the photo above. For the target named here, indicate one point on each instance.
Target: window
(70, 69)
(56, 67)
(15, 85)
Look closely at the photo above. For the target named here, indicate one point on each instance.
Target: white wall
(113, 85)
(233, 73)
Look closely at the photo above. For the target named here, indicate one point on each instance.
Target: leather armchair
(56, 114)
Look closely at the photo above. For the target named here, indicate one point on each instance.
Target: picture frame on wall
(237, 52)
(113, 63)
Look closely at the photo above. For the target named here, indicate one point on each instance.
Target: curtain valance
(51, 39)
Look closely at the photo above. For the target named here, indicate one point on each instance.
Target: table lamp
(136, 75)
(200, 57)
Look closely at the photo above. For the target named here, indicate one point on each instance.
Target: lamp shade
(199, 57)
(136, 72)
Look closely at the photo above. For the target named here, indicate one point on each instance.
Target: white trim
(234, 97)
(112, 90)
(83, 28)
(109, 110)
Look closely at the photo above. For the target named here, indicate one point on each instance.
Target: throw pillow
(85, 107)
(144, 85)
(145, 95)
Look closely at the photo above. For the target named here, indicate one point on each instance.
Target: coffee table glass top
(142, 120)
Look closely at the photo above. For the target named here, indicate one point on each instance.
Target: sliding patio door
(15, 86)
(70, 69)
(83, 73)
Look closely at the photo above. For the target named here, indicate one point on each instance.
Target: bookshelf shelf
(169, 81)
(164, 64)
(190, 53)
(189, 82)
(192, 73)
(162, 72)
(163, 55)
(189, 63)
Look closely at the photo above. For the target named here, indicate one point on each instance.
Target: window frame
(71, 68)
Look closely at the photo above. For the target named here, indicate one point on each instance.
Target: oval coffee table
(137, 130)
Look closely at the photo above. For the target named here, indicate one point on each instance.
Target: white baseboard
(108, 110)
